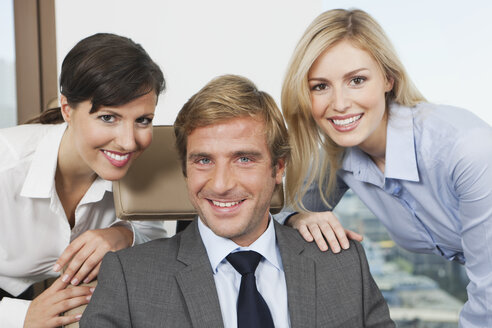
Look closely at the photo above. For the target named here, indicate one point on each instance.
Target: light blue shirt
(270, 275)
(435, 195)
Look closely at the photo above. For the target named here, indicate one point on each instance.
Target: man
(233, 145)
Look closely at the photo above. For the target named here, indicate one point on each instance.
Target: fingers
(68, 253)
(45, 310)
(325, 229)
(340, 238)
(56, 286)
(353, 235)
(93, 274)
(82, 263)
(305, 233)
(70, 303)
(58, 319)
(319, 239)
(71, 293)
(62, 321)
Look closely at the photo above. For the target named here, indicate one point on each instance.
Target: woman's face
(107, 141)
(348, 97)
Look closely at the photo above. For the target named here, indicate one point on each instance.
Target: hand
(315, 225)
(44, 311)
(86, 252)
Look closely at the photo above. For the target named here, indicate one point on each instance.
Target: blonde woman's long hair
(308, 141)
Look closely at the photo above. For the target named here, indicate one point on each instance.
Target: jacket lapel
(196, 280)
(299, 276)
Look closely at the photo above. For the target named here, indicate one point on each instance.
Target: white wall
(445, 45)
(194, 41)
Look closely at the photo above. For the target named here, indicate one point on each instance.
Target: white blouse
(34, 230)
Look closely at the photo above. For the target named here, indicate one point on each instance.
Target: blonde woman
(424, 170)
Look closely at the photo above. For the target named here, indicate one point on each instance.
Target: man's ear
(279, 170)
(66, 110)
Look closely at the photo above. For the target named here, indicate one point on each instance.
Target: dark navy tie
(252, 310)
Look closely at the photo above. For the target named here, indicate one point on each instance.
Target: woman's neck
(72, 178)
(375, 144)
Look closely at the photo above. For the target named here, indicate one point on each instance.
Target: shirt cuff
(128, 225)
(13, 312)
(282, 217)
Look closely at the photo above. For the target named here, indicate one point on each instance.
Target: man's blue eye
(244, 159)
(204, 161)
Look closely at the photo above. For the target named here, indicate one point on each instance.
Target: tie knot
(244, 262)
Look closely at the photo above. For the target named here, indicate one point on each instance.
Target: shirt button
(397, 191)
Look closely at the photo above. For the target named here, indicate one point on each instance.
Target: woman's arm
(471, 175)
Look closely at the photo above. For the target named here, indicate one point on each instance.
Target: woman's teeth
(347, 121)
(220, 204)
(116, 157)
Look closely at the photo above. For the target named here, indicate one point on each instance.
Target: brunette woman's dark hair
(108, 70)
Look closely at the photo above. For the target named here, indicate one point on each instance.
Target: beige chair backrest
(154, 187)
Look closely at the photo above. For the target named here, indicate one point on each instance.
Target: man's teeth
(228, 204)
(116, 157)
(347, 121)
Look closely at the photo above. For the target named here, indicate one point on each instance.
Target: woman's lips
(345, 123)
(117, 159)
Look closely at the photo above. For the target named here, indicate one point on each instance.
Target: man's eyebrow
(248, 153)
(193, 156)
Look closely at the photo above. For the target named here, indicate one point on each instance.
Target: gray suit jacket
(169, 283)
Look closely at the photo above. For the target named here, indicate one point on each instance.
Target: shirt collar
(41, 175)
(40, 178)
(401, 162)
(219, 247)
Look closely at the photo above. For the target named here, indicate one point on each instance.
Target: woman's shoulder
(21, 141)
(449, 135)
(446, 118)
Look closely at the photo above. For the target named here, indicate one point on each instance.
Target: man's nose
(222, 179)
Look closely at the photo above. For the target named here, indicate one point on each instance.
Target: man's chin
(224, 228)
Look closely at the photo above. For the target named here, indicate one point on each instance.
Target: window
(422, 290)
(8, 102)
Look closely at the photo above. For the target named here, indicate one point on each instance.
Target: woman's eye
(107, 118)
(144, 120)
(357, 80)
(319, 87)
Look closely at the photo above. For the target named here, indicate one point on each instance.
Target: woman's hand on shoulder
(85, 253)
(44, 311)
(322, 227)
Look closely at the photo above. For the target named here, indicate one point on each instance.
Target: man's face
(230, 177)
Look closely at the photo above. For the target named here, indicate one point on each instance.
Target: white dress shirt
(34, 229)
(270, 275)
